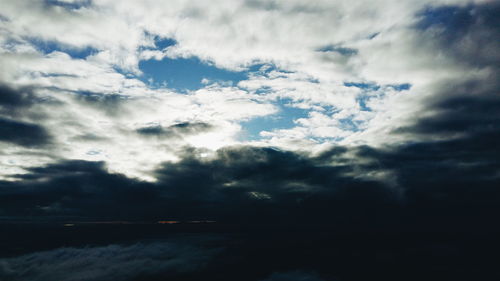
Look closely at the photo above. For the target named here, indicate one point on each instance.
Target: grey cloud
(23, 133)
(15, 102)
(241, 185)
(112, 262)
(111, 104)
(18, 120)
(237, 180)
(460, 109)
(469, 34)
(176, 130)
(15, 98)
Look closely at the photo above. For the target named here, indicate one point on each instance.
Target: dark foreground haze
(222, 252)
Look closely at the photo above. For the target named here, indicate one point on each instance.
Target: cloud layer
(359, 71)
(112, 262)
(120, 148)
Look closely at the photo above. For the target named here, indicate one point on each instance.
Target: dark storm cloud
(15, 98)
(112, 262)
(445, 178)
(470, 34)
(467, 114)
(77, 188)
(449, 173)
(23, 133)
(176, 130)
(245, 185)
(265, 185)
(461, 110)
(447, 184)
(16, 103)
(458, 176)
(255, 184)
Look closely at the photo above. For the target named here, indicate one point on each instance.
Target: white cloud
(364, 41)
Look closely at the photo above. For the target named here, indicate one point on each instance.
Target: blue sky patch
(348, 124)
(69, 5)
(338, 49)
(376, 87)
(362, 99)
(400, 87)
(281, 120)
(364, 86)
(162, 43)
(372, 87)
(184, 74)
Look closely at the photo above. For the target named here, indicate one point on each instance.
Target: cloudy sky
(353, 115)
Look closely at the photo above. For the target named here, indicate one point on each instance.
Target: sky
(364, 117)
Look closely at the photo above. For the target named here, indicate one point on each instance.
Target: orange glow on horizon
(168, 222)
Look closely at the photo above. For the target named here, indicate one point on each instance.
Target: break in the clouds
(98, 81)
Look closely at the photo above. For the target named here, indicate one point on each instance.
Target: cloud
(12, 99)
(112, 262)
(25, 134)
(465, 33)
(312, 53)
(113, 120)
(469, 111)
(176, 130)
(345, 188)
(14, 104)
(344, 71)
(194, 188)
